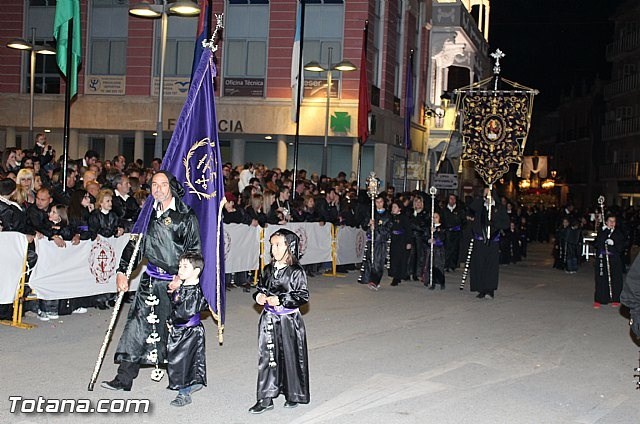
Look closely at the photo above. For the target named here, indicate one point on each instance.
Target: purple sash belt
(279, 310)
(397, 232)
(438, 243)
(193, 321)
(83, 227)
(481, 238)
(456, 228)
(604, 252)
(158, 273)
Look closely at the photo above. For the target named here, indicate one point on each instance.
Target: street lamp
(163, 10)
(344, 66)
(22, 44)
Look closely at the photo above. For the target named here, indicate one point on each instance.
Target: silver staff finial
(216, 36)
(497, 55)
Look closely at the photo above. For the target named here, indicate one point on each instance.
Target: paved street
(537, 353)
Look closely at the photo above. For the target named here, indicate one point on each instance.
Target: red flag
(364, 105)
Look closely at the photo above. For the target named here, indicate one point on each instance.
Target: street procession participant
(283, 365)
(172, 231)
(432, 275)
(419, 221)
(453, 216)
(187, 366)
(374, 262)
(486, 247)
(609, 244)
(400, 243)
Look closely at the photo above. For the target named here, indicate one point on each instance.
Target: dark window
(47, 77)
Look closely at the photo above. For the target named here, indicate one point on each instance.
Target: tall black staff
(606, 248)
(372, 190)
(296, 142)
(465, 273)
(432, 193)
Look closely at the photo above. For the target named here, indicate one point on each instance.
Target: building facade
(116, 108)
(620, 172)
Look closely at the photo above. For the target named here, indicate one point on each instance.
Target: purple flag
(408, 104)
(193, 156)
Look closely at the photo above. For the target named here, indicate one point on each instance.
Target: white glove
(609, 242)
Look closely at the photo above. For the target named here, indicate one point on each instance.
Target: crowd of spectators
(103, 197)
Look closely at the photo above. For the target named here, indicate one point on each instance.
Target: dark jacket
(12, 218)
(173, 233)
(105, 225)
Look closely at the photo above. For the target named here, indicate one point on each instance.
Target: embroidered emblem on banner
(361, 240)
(200, 166)
(494, 129)
(304, 239)
(102, 261)
(227, 244)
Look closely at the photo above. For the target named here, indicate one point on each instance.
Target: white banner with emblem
(315, 241)
(241, 248)
(86, 269)
(350, 245)
(14, 250)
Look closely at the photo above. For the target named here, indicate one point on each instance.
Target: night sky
(552, 44)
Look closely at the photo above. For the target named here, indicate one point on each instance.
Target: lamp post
(21, 44)
(154, 11)
(343, 66)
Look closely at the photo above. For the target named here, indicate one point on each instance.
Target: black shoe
(102, 306)
(480, 295)
(261, 406)
(415, 278)
(395, 282)
(441, 286)
(115, 384)
(289, 404)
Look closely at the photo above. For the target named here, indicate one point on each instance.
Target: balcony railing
(623, 128)
(620, 171)
(454, 14)
(623, 44)
(623, 86)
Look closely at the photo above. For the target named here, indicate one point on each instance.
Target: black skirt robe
(185, 343)
(283, 364)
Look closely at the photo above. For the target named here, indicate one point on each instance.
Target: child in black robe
(283, 365)
(187, 368)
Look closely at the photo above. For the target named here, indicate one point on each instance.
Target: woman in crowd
(25, 194)
(9, 163)
(268, 198)
(79, 210)
(255, 212)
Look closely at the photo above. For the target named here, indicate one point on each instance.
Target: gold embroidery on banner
(201, 178)
(493, 130)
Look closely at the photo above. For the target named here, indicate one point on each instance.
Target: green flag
(67, 10)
